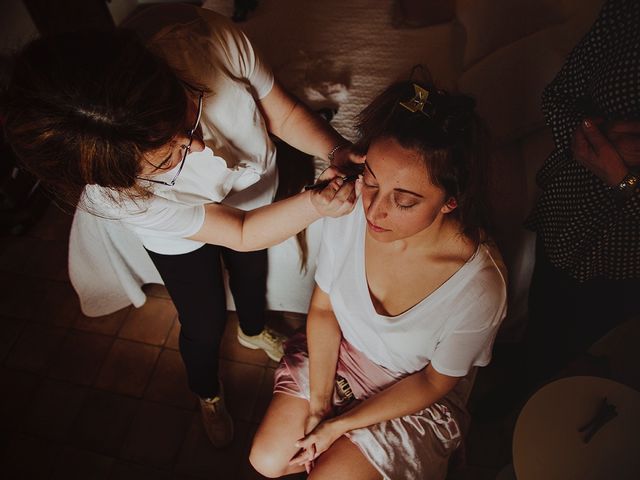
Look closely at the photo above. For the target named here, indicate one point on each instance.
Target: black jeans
(566, 317)
(195, 282)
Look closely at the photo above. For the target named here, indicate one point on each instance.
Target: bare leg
(273, 445)
(343, 460)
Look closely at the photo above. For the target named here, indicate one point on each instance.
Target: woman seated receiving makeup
(409, 296)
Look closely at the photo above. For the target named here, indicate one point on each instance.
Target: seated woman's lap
(274, 445)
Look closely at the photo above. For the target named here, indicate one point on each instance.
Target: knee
(266, 462)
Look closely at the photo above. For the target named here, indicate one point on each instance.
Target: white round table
(547, 444)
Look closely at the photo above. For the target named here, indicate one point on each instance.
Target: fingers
(356, 157)
(594, 150)
(337, 198)
(306, 455)
(581, 146)
(329, 172)
(596, 139)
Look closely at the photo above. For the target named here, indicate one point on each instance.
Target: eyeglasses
(187, 149)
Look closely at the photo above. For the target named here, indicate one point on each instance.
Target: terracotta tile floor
(106, 398)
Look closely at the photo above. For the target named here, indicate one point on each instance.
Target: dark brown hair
(82, 108)
(450, 138)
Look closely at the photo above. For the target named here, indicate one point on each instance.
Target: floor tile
(128, 368)
(53, 225)
(265, 393)
(174, 334)
(106, 324)
(150, 323)
(15, 252)
(156, 434)
(241, 386)
(17, 294)
(169, 382)
(58, 306)
(80, 358)
(19, 394)
(488, 445)
(55, 407)
(10, 329)
(36, 347)
(50, 260)
(198, 458)
(75, 464)
(232, 350)
(28, 457)
(246, 470)
(131, 471)
(104, 422)
(473, 473)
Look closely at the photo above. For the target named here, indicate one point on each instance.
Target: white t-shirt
(453, 328)
(238, 167)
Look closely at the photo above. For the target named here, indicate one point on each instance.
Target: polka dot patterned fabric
(586, 231)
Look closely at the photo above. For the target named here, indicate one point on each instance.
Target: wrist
(320, 405)
(340, 425)
(316, 213)
(337, 147)
(626, 187)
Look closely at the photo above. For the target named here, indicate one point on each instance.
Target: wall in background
(16, 26)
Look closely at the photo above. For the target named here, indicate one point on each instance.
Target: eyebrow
(401, 190)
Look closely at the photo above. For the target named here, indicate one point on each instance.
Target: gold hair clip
(418, 101)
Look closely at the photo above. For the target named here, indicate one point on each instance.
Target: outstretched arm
(269, 225)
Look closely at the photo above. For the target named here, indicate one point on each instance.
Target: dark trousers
(566, 316)
(195, 282)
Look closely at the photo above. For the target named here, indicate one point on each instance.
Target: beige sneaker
(217, 421)
(268, 340)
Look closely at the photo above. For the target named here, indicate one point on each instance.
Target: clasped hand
(319, 436)
(608, 150)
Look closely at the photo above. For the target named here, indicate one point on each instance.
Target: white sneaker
(268, 340)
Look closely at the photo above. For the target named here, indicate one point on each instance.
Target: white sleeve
(167, 221)
(471, 342)
(243, 61)
(325, 259)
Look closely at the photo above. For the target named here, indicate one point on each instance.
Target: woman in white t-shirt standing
(163, 128)
(409, 297)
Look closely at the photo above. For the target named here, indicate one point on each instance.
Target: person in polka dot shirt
(587, 218)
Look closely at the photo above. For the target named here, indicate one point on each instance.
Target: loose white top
(453, 328)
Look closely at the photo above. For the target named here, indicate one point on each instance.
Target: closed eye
(402, 202)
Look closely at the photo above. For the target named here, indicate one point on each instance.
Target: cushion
(491, 24)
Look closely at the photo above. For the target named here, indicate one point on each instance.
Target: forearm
(323, 342)
(289, 119)
(274, 223)
(260, 228)
(408, 396)
(309, 132)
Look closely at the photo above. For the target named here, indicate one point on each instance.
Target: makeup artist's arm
(291, 121)
(271, 224)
